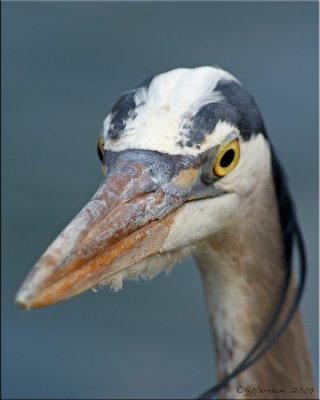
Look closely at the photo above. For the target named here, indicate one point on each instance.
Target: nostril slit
(152, 187)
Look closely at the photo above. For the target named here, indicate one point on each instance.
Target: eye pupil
(100, 154)
(100, 149)
(227, 158)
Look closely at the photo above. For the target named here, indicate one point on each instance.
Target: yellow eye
(227, 159)
(100, 149)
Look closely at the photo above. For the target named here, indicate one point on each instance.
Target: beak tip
(21, 300)
(22, 304)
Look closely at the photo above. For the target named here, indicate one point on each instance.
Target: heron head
(182, 154)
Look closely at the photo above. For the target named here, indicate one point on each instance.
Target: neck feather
(242, 269)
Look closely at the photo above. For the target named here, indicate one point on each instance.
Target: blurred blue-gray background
(63, 66)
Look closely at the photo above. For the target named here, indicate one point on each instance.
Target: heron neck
(242, 269)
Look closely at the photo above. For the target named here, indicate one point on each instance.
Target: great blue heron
(190, 170)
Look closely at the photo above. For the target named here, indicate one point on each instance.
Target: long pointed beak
(127, 220)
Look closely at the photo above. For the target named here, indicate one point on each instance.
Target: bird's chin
(188, 218)
(185, 234)
(145, 269)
